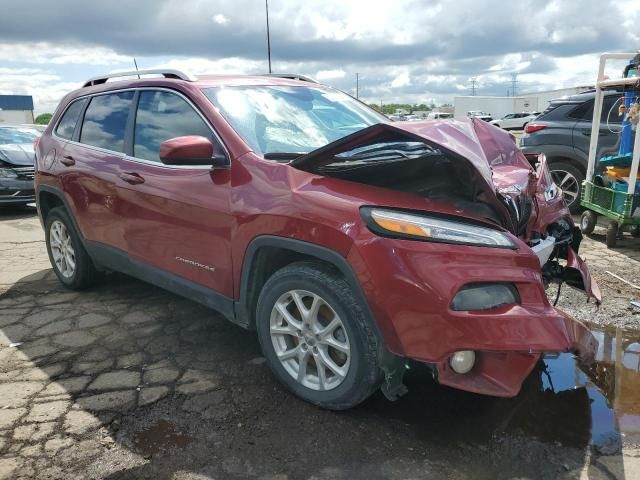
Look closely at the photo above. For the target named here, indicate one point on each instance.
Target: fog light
(463, 361)
(485, 296)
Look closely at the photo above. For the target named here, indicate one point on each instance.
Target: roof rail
(292, 76)
(176, 74)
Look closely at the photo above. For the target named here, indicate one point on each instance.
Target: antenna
(136, 64)
(266, 6)
(357, 85)
(473, 81)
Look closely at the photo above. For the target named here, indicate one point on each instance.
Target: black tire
(588, 222)
(363, 376)
(635, 231)
(84, 273)
(559, 171)
(612, 234)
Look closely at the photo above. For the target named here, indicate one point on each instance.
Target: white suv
(515, 121)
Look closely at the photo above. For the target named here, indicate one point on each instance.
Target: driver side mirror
(191, 150)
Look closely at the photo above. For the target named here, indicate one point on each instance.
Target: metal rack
(622, 208)
(166, 73)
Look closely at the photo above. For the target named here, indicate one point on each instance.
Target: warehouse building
(16, 109)
(498, 107)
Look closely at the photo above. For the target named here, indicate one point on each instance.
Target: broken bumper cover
(416, 318)
(501, 373)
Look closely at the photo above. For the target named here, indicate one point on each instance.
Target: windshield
(17, 135)
(290, 119)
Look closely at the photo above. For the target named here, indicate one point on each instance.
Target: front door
(177, 218)
(610, 125)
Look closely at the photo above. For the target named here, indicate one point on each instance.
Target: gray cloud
(441, 44)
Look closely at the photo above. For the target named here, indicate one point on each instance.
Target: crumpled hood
(17, 154)
(474, 141)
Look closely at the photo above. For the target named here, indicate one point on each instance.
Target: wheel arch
(551, 159)
(48, 198)
(267, 254)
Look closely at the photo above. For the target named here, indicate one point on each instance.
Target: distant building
(498, 107)
(16, 109)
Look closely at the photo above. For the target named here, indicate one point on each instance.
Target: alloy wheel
(310, 340)
(567, 183)
(64, 256)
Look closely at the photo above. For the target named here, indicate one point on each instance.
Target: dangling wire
(558, 294)
(609, 117)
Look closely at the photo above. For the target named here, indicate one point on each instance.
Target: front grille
(25, 173)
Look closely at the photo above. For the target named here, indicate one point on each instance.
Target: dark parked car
(350, 244)
(563, 133)
(17, 164)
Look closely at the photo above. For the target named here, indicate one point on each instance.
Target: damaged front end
(468, 176)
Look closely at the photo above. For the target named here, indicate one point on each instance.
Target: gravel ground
(624, 261)
(127, 381)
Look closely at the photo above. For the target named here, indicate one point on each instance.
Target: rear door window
(105, 121)
(67, 124)
(163, 115)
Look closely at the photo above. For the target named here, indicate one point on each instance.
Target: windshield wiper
(386, 151)
(282, 156)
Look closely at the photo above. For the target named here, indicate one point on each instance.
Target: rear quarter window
(67, 124)
(105, 121)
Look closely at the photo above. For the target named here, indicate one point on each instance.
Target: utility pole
(514, 84)
(357, 85)
(266, 6)
(473, 86)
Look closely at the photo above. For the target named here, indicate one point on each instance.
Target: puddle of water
(161, 437)
(561, 402)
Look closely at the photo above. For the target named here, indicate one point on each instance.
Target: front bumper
(501, 374)
(410, 286)
(16, 191)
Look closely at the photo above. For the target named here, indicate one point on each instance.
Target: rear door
(177, 217)
(90, 167)
(610, 124)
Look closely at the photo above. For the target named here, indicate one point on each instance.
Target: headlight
(423, 227)
(7, 173)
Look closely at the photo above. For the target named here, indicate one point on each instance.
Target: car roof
(581, 97)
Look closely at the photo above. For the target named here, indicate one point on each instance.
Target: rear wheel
(316, 337)
(569, 178)
(612, 234)
(67, 255)
(588, 222)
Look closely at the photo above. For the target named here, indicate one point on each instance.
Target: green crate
(617, 205)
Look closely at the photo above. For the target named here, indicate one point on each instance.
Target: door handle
(586, 133)
(67, 160)
(132, 178)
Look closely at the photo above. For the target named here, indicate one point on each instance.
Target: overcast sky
(405, 51)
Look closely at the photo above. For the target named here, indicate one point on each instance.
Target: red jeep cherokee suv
(349, 243)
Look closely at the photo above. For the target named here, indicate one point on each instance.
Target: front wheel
(316, 337)
(588, 222)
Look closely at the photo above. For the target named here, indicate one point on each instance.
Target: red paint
(186, 150)
(211, 216)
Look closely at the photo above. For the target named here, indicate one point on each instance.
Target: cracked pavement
(128, 381)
